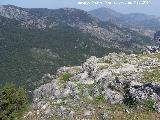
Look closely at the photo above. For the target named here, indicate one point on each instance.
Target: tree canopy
(13, 101)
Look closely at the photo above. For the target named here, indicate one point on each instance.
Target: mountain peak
(105, 14)
(131, 20)
(105, 9)
(11, 7)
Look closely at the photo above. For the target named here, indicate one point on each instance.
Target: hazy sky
(153, 8)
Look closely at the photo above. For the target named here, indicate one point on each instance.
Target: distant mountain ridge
(132, 20)
(44, 17)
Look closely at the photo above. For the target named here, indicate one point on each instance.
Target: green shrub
(128, 99)
(148, 104)
(13, 102)
(100, 99)
(66, 76)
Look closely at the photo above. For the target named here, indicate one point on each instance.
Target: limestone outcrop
(86, 91)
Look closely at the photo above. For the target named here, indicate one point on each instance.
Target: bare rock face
(81, 90)
(144, 91)
(152, 49)
(157, 107)
(90, 66)
(113, 97)
(14, 12)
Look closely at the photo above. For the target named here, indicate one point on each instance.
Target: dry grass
(152, 75)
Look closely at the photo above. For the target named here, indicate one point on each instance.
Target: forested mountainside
(34, 42)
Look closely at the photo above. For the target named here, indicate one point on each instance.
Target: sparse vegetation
(128, 99)
(153, 55)
(152, 75)
(103, 66)
(116, 65)
(100, 99)
(148, 104)
(108, 61)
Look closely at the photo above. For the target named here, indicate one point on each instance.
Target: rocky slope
(114, 87)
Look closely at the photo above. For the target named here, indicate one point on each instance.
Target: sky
(152, 8)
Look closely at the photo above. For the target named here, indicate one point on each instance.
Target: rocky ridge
(92, 91)
(43, 18)
(105, 32)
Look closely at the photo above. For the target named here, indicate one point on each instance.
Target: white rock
(87, 113)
